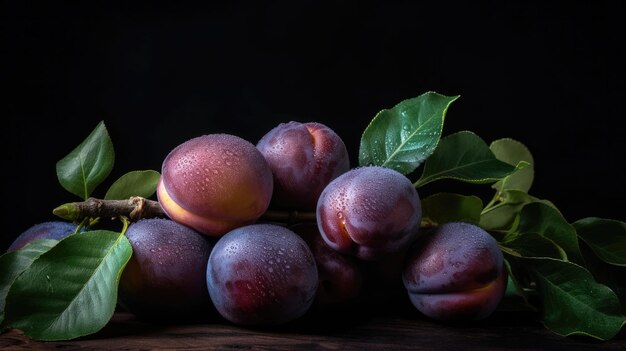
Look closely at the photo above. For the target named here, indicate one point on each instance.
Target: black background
(550, 75)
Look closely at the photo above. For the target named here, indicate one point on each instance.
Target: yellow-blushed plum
(215, 183)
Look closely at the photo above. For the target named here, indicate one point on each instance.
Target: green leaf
(466, 157)
(83, 169)
(503, 214)
(513, 152)
(606, 237)
(543, 219)
(447, 207)
(71, 290)
(12, 264)
(610, 275)
(573, 302)
(402, 137)
(532, 245)
(135, 183)
(515, 296)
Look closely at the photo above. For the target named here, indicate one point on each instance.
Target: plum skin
(304, 158)
(56, 230)
(164, 277)
(215, 183)
(369, 212)
(261, 274)
(455, 273)
(340, 276)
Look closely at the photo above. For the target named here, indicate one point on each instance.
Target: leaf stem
(125, 223)
(497, 197)
(81, 225)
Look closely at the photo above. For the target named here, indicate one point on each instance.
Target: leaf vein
(97, 271)
(405, 141)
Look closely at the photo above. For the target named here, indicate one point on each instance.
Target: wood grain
(355, 329)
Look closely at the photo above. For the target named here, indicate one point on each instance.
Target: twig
(134, 208)
(137, 208)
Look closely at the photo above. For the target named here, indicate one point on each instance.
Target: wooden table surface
(400, 328)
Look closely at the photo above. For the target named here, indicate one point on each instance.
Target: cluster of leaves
(572, 272)
(56, 290)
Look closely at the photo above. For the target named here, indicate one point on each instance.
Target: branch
(289, 217)
(134, 208)
(137, 208)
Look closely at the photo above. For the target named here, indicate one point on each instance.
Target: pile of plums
(217, 251)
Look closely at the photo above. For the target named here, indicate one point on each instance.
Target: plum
(304, 158)
(455, 273)
(215, 183)
(165, 275)
(369, 212)
(261, 274)
(340, 276)
(56, 230)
